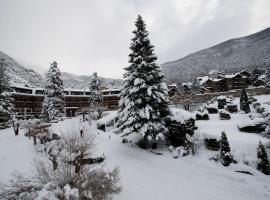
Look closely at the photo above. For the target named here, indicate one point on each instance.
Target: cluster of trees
(53, 106)
(226, 157)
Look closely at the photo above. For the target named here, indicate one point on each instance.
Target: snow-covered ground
(145, 175)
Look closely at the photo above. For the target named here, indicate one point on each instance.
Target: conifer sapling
(244, 104)
(225, 155)
(263, 162)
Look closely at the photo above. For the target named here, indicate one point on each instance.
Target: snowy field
(145, 175)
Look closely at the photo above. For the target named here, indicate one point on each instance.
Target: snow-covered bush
(212, 142)
(256, 105)
(64, 170)
(222, 101)
(224, 115)
(258, 125)
(260, 109)
(182, 123)
(212, 109)
(202, 115)
(231, 108)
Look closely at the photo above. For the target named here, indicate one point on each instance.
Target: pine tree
(225, 150)
(6, 101)
(143, 105)
(267, 78)
(53, 106)
(244, 104)
(263, 162)
(95, 95)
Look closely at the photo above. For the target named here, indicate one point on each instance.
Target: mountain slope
(229, 56)
(20, 75)
(82, 81)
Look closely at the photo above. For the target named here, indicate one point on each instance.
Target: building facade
(29, 100)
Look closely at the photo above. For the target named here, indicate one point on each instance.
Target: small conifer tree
(263, 162)
(244, 104)
(225, 150)
(95, 100)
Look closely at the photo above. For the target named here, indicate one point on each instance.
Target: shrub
(223, 115)
(221, 102)
(232, 108)
(178, 130)
(64, 170)
(256, 105)
(212, 109)
(202, 115)
(212, 144)
(143, 143)
(254, 126)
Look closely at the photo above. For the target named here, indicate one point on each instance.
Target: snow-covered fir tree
(143, 104)
(267, 78)
(53, 106)
(95, 100)
(6, 101)
(225, 150)
(244, 104)
(263, 162)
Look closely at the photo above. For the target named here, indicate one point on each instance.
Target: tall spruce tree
(6, 101)
(244, 104)
(95, 100)
(225, 150)
(143, 105)
(53, 106)
(263, 162)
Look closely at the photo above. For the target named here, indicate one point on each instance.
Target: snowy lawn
(145, 175)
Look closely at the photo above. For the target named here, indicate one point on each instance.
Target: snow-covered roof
(172, 85)
(202, 79)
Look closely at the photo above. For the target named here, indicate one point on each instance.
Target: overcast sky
(84, 36)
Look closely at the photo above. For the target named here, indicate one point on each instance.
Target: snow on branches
(143, 104)
(53, 106)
